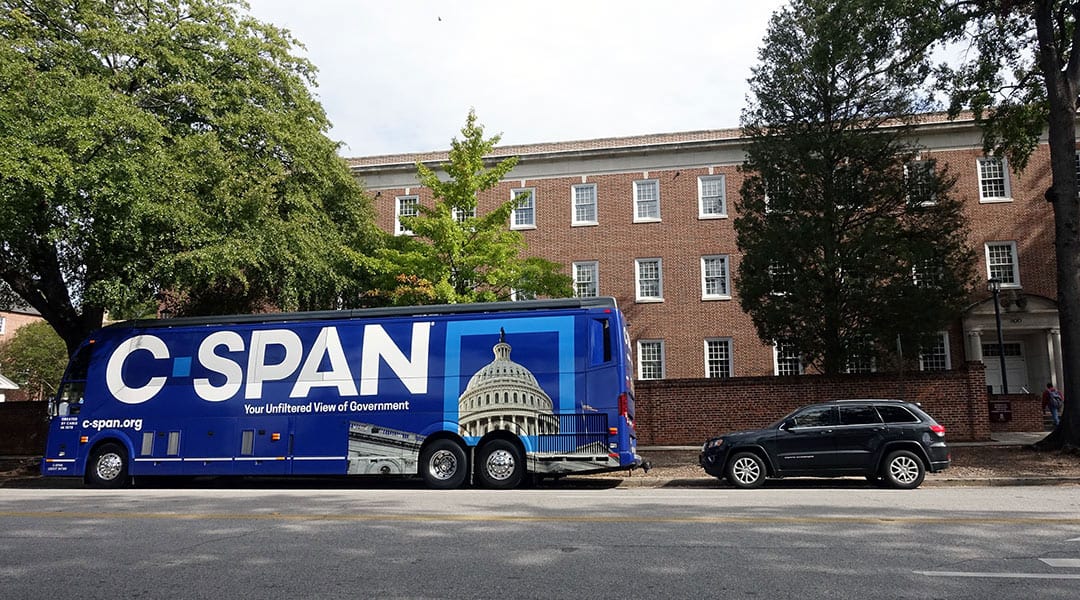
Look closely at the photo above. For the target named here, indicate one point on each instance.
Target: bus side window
(69, 399)
(600, 334)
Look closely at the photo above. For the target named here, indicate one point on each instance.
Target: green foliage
(34, 358)
(456, 254)
(836, 214)
(1020, 75)
(152, 146)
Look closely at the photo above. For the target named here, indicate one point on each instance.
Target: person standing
(1053, 401)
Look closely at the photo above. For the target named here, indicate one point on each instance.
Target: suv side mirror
(787, 424)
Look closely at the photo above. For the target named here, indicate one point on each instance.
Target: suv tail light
(938, 429)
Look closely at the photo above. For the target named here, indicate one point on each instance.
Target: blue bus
(483, 394)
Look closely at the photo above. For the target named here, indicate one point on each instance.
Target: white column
(1056, 367)
(974, 348)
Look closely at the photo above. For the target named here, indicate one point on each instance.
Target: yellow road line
(633, 519)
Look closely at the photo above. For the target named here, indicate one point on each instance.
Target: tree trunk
(1061, 92)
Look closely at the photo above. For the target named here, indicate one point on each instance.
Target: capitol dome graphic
(504, 395)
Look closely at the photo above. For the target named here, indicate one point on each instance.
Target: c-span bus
(476, 393)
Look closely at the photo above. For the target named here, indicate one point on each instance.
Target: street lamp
(994, 285)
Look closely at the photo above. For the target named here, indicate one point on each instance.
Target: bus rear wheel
(500, 465)
(108, 467)
(443, 465)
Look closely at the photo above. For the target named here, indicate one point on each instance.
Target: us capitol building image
(504, 395)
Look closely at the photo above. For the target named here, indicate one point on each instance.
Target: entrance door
(1015, 367)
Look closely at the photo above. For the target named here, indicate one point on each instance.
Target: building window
(3, 325)
(920, 183)
(407, 206)
(994, 180)
(649, 279)
(861, 357)
(928, 273)
(786, 359)
(718, 357)
(584, 204)
(586, 279)
(523, 216)
(460, 214)
(1001, 262)
(646, 201)
(782, 277)
(650, 359)
(714, 278)
(712, 202)
(935, 357)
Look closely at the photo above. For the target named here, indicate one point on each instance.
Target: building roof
(600, 144)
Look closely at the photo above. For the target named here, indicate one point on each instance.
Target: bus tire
(107, 467)
(443, 465)
(500, 465)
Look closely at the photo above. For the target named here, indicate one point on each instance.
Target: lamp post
(994, 285)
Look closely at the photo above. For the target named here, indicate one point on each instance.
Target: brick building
(648, 220)
(10, 322)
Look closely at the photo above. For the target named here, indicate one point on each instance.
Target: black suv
(884, 440)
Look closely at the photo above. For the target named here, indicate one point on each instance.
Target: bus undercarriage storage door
(264, 446)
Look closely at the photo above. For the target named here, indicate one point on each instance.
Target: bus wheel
(108, 467)
(443, 465)
(500, 465)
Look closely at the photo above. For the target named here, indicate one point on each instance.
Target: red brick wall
(1024, 412)
(23, 428)
(686, 412)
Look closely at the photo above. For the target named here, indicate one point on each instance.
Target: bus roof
(371, 313)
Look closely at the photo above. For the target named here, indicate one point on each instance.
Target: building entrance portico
(1031, 344)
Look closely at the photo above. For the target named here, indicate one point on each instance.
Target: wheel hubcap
(904, 470)
(443, 465)
(746, 470)
(109, 466)
(500, 465)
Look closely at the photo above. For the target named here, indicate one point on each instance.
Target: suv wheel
(904, 470)
(746, 470)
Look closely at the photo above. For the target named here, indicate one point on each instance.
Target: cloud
(401, 76)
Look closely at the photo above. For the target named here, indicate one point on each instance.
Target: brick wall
(1016, 412)
(686, 412)
(23, 428)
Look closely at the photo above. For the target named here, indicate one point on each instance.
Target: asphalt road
(821, 539)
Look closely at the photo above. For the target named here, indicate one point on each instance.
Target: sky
(400, 76)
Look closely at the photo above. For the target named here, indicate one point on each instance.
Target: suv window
(859, 415)
(816, 416)
(897, 414)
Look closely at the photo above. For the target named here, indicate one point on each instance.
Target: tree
(167, 149)
(34, 358)
(1020, 75)
(457, 255)
(849, 242)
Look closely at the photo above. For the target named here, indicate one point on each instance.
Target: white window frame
(461, 214)
(730, 357)
(530, 204)
(3, 325)
(641, 359)
(984, 163)
(659, 297)
(726, 293)
(944, 340)
(400, 229)
(912, 171)
(722, 213)
(1013, 258)
(574, 205)
(589, 265)
(639, 185)
(776, 362)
